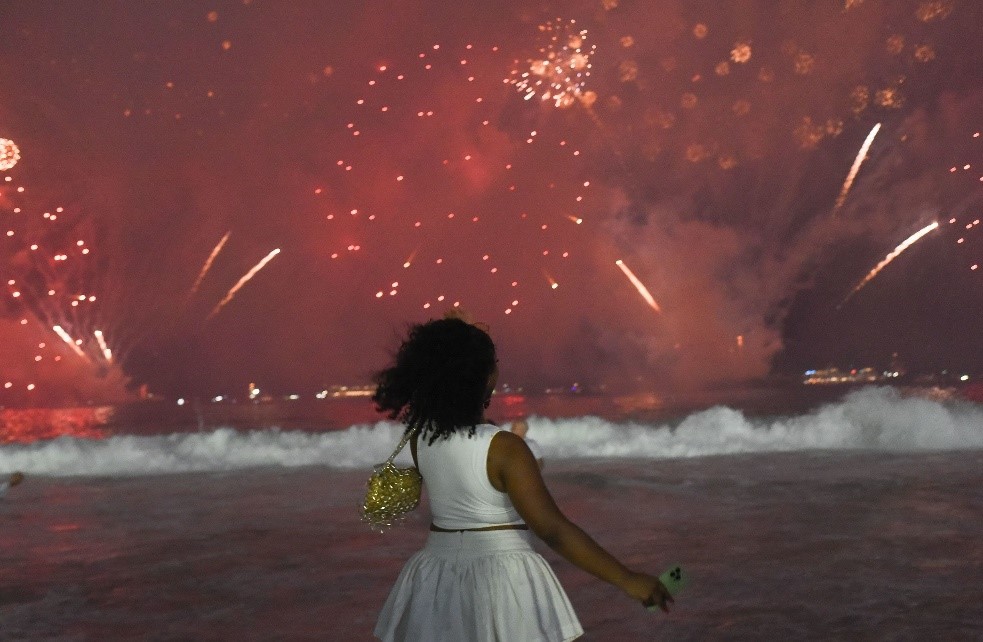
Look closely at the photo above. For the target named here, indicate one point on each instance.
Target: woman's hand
(520, 427)
(648, 590)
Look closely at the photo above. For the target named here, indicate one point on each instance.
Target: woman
(478, 577)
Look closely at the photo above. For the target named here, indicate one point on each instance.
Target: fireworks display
(9, 154)
(642, 290)
(208, 262)
(895, 253)
(106, 352)
(51, 284)
(494, 161)
(69, 341)
(858, 161)
(243, 281)
(559, 74)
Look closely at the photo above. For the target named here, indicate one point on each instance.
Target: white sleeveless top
(455, 474)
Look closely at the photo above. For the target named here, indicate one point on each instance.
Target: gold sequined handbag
(392, 492)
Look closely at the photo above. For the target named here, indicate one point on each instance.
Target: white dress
(474, 586)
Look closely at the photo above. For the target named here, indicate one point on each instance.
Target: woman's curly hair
(439, 381)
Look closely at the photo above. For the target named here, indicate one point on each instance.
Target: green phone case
(674, 579)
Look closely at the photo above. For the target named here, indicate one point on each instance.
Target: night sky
(400, 161)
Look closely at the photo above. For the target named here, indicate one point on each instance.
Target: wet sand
(814, 545)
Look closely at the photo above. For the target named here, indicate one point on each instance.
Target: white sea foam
(871, 419)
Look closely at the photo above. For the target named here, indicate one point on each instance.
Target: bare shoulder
(513, 469)
(509, 448)
(506, 453)
(507, 441)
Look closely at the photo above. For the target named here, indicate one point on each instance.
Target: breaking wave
(879, 419)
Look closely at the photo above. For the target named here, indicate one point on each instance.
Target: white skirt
(476, 586)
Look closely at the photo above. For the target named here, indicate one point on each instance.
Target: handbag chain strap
(402, 442)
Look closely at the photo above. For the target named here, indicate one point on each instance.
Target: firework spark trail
(908, 242)
(549, 279)
(857, 162)
(208, 262)
(638, 285)
(60, 331)
(106, 352)
(245, 279)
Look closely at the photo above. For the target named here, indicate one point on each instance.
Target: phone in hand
(674, 579)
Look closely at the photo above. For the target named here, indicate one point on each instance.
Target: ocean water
(857, 518)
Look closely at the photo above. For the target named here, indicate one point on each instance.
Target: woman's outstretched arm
(512, 469)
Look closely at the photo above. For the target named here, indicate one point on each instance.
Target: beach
(871, 532)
